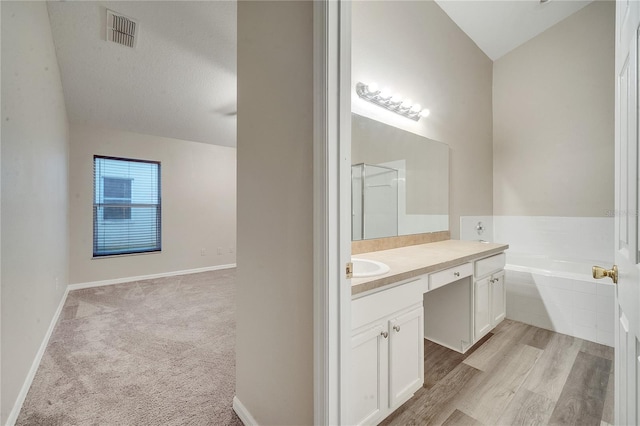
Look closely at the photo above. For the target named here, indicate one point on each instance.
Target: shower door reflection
(374, 201)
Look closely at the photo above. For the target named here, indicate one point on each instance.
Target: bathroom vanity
(450, 292)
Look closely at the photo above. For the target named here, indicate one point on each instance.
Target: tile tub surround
(468, 229)
(412, 261)
(578, 307)
(584, 238)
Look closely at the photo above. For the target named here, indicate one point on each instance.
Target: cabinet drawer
(490, 265)
(386, 302)
(438, 279)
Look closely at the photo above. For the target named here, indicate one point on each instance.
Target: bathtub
(560, 294)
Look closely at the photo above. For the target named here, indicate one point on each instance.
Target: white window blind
(126, 206)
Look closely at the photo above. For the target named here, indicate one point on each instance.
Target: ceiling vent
(120, 29)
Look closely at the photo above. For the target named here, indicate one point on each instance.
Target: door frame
(332, 207)
(627, 319)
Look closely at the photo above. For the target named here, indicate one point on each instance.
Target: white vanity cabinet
(450, 292)
(448, 311)
(498, 299)
(369, 377)
(482, 315)
(489, 294)
(406, 356)
(387, 352)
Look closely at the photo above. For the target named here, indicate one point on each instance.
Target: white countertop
(412, 261)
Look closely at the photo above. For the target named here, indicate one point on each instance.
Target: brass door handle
(600, 272)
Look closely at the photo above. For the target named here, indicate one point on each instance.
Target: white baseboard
(242, 412)
(15, 411)
(91, 284)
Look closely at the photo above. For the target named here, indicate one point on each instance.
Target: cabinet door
(406, 356)
(482, 298)
(498, 305)
(369, 356)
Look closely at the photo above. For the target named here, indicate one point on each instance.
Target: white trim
(91, 284)
(1, 235)
(342, 227)
(17, 406)
(244, 414)
(332, 204)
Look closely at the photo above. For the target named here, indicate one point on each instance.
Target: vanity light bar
(370, 92)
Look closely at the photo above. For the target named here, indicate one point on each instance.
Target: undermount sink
(368, 268)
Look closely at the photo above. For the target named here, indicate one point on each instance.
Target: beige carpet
(155, 352)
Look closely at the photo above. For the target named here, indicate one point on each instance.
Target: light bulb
(425, 113)
(385, 94)
(416, 108)
(396, 99)
(406, 104)
(372, 88)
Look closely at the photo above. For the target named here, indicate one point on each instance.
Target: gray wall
(274, 345)
(34, 190)
(553, 101)
(198, 203)
(415, 48)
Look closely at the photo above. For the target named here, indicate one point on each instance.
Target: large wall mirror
(399, 181)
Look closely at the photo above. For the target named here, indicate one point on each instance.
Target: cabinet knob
(457, 274)
(396, 328)
(384, 334)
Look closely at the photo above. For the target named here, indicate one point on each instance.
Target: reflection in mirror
(399, 181)
(381, 203)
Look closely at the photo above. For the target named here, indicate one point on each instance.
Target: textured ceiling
(498, 27)
(178, 82)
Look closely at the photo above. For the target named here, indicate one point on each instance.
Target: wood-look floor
(517, 375)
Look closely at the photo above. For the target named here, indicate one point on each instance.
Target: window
(117, 191)
(126, 206)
